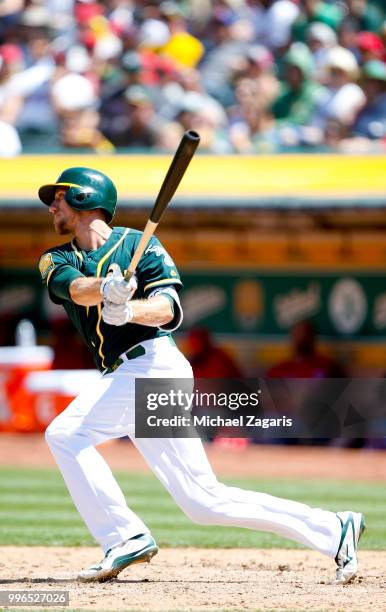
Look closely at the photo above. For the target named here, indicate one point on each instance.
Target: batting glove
(117, 314)
(115, 289)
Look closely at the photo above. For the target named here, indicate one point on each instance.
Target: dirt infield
(200, 579)
(203, 579)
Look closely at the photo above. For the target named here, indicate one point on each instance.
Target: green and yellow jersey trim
(79, 256)
(163, 281)
(77, 253)
(99, 306)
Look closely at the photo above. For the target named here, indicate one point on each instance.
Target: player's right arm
(58, 273)
(65, 282)
(89, 291)
(86, 291)
(92, 291)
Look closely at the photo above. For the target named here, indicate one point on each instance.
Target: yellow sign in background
(140, 176)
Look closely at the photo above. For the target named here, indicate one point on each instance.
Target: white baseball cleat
(139, 549)
(353, 525)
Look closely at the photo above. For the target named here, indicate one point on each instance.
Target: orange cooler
(49, 393)
(16, 362)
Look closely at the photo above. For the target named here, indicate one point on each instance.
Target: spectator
(184, 92)
(348, 35)
(153, 34)
(169, 136)
(259, 62)
(314, 10)
(334, 134)
(114, 83)
(11, 101)
(306, 361)
(138, 125)
(371, 120)
(10, 15)
(307, 402)
(253, 126)
(370, 46)
(226, 56)
(299, 94)
(368, 14)
(36, 120)
(369, 127)
(320, 38)
(198, 113)
(342, 98)
(207, 359)
(182, 47)
(75, 101)
(275, 23)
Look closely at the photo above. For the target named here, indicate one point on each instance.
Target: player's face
(64, 215)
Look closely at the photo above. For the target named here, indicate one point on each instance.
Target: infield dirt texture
(187, 578)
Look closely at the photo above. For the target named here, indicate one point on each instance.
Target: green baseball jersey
(62, 264)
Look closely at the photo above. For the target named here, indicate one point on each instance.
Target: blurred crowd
(251, 76)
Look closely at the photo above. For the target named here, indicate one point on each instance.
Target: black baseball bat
(177, 168)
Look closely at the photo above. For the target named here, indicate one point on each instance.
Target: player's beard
(61, 227)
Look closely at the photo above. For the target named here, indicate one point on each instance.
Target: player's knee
(56, 433)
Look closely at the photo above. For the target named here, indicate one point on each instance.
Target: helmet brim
(46, 193)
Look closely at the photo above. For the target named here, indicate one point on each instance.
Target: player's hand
(117, 314)
(115, 289)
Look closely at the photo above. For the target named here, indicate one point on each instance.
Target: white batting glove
(117, 314)
(115, 289)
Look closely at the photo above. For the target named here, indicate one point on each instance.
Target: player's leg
(96, 415)
(183, 468)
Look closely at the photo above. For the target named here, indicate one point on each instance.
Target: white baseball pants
(107, 411)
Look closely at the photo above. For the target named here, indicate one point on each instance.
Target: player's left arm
(171, 294)
(156, 311)
(159, 277)
(159, 282)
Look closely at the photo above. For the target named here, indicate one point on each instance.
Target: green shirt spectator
(369, 15)
(298, 97)
(330, 14)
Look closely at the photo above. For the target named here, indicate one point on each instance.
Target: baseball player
(127, 326)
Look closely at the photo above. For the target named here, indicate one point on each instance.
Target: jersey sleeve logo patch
(46, 264)
(159, 251)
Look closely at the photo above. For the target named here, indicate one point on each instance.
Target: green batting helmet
(87, 189)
